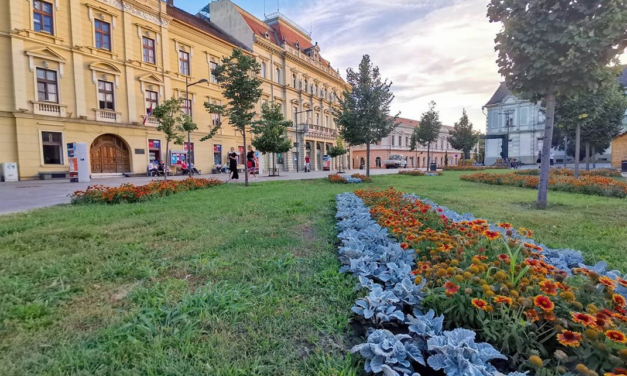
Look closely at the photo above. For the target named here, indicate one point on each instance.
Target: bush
(420, 173)
(590, 185)
(495, 281)
(337, 179)
(468, 168)
(129, 193)
(362, 177)
(607, 172)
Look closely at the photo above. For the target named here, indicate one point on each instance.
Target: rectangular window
(152, 101)
(407, 141)
(217, 154)
(400, 141)
(213, 65)
(52, 144)
(184, 63)
(393, 138)
(317, 119)
(186, 106)
(215, 119)
(47, 87)
(42, 17)
(148, 50)
(326, 120)
(103, 35)
(105, 95)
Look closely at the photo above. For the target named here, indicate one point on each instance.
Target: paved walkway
(33, 194)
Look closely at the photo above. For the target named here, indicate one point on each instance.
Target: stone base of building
(414, 160)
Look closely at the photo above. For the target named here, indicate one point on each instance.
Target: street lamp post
(189, 110)
(297, 143)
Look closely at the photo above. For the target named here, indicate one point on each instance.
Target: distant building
(522, 124)
(398, 143)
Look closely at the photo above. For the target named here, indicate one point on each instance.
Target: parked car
(395, 161)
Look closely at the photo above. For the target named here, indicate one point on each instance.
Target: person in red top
(307, 165)
(184, 169)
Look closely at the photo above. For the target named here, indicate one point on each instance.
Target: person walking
(252, 162)
(307, 165)
(232, 156)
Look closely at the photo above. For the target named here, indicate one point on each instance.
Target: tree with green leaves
(597, 117)
(363, 114)
(168, 114)
(271, 132)
(546, 47)
(463, 137)
(238, 77)
(428, 129)
(337, 151)
(414, 144)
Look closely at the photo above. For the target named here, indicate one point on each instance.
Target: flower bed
(607, 172)
(591, 185)
(129, 193)
(354, 179)
(469, 168)
(543, 308)
(394, 303)
(419, 173)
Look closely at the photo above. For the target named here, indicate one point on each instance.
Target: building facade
(294, 75)
(92, 71)
(397, 143)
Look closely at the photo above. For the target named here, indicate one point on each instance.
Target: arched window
(305, 85)
(278, 75)
(294, 80)
(377, 162)
(424, 161)
(263, 69)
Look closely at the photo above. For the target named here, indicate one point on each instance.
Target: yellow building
(92, 70)
(294, 74)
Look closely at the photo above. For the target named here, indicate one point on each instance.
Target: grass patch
(226, 281)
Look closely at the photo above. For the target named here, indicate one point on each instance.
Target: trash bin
(433, 167)
(623, 166)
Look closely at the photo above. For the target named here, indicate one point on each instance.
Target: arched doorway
(109, 154)
(377, 162)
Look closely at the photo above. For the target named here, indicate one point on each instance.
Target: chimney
(170, 2)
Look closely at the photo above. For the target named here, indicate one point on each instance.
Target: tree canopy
(169, 116)
(238, 77)
(428, 129)
(363, 114)
(548, 46)
(463, 136)
(270, 133)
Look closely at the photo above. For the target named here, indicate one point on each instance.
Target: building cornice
(139, 11)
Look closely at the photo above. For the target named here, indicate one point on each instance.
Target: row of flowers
(546, 310)
(401, 337)
(469, 168)
(353, 179)
(130, 193)
(591, 185)
(419, 173)
(607, 172)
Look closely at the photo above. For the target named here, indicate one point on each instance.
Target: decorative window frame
(180, 46)
(44, 55)
(145, 83)
(148, 32)
(104, 70)
(97, 13)
(63, 147)
(31, 17)
(179, 93)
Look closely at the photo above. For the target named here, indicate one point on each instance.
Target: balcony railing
(318, 131)
(152, 121)
(108, 116)
(49, 109)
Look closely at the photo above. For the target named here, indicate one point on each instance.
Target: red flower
(450, 288)
(532, 315)
(479, 303)
(505, 226)
(492, 235)
(503, 257)
(583, 319)
(502, 299)
(548, 287)
(568, 338)
(544, 303)
(404, 245)
(616, 336)
(619, 300)
(605, 281)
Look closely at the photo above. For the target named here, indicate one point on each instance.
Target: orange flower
(605, 281)
(505, 226)
(404, 245)
(619, 300)
(544, 303)
(450, 288)
(492, 235)
(532, 315)
(502, 299)
(479, 303)
(568, 338)
(616, 336)
(548, 287)
(622, 282)
(583, 319)
(446, 247)
(503, 257)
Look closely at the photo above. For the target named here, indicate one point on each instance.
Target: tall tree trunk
(587, 155)
(167, 160)
(565, 150)
(543, 185)
(594, 157)
(368, 159)
(245, 159)
(577, 149)
(428, 156)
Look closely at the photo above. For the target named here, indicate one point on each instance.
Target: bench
(49, 175)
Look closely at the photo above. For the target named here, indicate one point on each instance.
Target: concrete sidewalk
(32, 194)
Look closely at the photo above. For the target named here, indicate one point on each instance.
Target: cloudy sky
(441, 50)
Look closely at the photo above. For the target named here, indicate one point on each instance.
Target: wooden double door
(109, 154)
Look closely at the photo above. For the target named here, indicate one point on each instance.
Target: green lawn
(226, 281)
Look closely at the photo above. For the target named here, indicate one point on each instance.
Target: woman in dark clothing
(233, 164)
(252, 162)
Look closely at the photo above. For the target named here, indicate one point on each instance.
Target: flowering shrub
(419, 173)
(337, 179)
(607, 172)
(469, 168)
(591, 185)
(354, 179)
(129, 193)
(497, 282)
